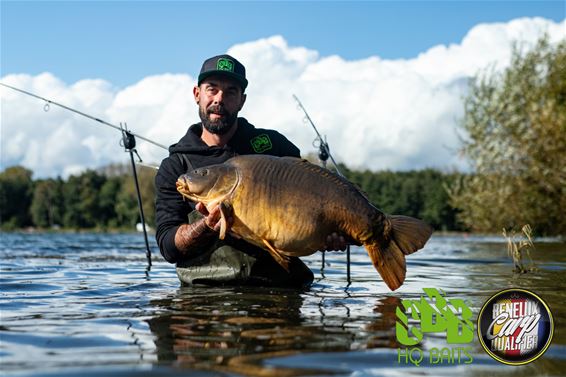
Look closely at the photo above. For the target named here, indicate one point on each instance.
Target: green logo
(261, 143)
(224, 64)
(433, 313)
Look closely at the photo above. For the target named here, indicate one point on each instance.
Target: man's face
(219, 99)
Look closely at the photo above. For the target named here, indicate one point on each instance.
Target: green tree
(435, 208)
(515, 127)
(107, 198)
(420, 194)
(15, 197)
(82, 200)
(47, 204)
(127, 209)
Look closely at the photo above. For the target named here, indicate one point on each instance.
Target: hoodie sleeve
(170, 208)
(285, 147)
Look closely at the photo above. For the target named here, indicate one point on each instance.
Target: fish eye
(202, 172)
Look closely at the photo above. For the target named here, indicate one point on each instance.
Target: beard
(219, 126)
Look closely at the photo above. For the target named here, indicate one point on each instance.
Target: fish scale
(271, 182)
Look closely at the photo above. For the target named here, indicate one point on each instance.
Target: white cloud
(376, 113)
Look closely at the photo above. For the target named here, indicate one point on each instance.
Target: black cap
(224, 65)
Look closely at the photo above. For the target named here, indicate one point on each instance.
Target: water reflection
(85, 301)
(235, 329)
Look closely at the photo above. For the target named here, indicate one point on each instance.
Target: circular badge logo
(515, 326)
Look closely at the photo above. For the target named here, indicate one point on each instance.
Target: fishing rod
(49, 102)
(323, 155)
(128, 141)
(324, 148)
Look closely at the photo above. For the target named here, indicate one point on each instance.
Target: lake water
(84, 304)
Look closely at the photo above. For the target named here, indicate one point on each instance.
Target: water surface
(86, 303)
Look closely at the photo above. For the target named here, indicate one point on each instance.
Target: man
(187, 234)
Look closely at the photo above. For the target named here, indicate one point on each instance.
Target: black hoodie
(171, 209)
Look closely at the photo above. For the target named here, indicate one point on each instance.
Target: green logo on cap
(224, 64)
(261, 143)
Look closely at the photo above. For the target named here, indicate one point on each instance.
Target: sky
(383, 80)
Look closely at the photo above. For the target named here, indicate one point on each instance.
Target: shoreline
(489, 237)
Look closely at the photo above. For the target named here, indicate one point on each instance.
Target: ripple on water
(86, 301)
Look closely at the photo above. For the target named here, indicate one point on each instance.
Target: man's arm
(201, 232)
(174, 236)
(170, 208)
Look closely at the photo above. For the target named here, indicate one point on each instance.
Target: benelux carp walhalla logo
(515, 326)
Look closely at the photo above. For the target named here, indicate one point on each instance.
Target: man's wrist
(194, 234)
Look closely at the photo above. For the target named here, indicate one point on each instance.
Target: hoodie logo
(261, 143)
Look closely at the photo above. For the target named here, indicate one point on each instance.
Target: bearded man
(187, 234)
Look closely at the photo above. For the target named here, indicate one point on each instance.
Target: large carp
(289, 206)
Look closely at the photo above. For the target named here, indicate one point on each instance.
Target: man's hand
(335, 242)
(212, 218)
(200, 232)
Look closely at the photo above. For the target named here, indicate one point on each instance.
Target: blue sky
(384, 81)
(123, 42)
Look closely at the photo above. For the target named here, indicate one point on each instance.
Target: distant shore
(33, 230)
(489, 237)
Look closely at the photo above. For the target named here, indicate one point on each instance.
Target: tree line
(95, 199)
(106, 198)
(418, 193)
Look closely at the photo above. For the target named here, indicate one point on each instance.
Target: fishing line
(324, 151)
(48, 102)
(128, 141)
(323, 155)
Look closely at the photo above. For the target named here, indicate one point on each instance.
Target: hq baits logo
(261, 143)
(515, 326)
(434, 313)
(224, 64)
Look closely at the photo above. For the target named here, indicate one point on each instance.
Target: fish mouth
(183, 186)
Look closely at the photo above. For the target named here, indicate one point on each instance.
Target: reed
(520, 250)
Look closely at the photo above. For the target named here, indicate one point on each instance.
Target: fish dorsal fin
(323, 172)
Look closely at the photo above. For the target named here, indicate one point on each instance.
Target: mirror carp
(289, 206)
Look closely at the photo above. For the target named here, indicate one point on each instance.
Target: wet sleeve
(170, 208)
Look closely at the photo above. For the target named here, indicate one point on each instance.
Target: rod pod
(323, 155)
(129, 141)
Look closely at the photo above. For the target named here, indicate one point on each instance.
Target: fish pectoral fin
(279, 257)
(225, 212)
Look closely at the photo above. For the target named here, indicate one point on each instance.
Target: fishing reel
(129, 140)
(323, 151)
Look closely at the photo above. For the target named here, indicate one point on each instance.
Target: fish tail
(403, 235)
